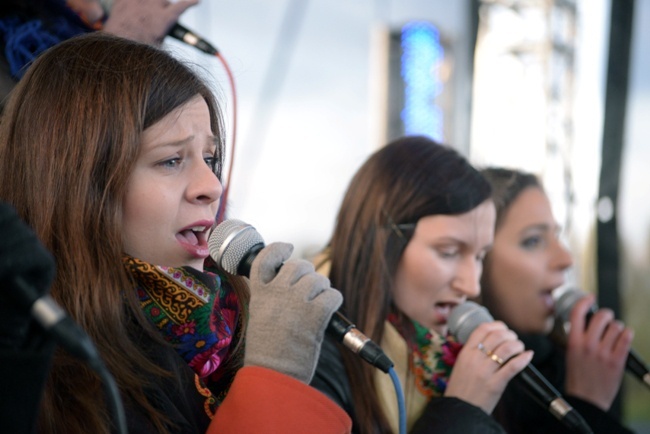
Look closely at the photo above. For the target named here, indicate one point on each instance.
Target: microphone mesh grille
(564, 304)
(230, 242)
(465, 318)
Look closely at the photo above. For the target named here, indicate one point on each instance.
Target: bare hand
(482, 372)
(145, 21)
(596, 354)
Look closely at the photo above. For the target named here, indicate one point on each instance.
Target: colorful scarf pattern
(432, 356)
(195, 312)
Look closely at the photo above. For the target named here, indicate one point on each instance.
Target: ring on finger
(494, 357)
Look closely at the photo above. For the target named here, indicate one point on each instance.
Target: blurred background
(558, 88)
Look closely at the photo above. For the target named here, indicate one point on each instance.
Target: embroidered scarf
(196, 313)
(432, 356)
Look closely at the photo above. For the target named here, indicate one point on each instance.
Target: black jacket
(440, 416)
(519, 413)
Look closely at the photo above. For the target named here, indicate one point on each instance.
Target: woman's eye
(448, 253)
(210, 161)
(531, 242)
(171, 163)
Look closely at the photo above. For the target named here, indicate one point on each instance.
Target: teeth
(198, 229)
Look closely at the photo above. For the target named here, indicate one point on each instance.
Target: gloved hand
(289, 312)
(21, 255)
(145, 21)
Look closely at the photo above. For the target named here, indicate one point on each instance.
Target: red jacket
(261, 400)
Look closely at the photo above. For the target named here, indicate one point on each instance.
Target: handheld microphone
(464, 319)
(234, 245)
(71, 337)
(55, 321)
(563, 307)
(187, 36)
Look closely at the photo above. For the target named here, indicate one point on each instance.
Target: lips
(191, 236)
(443, 309)
(194, 239)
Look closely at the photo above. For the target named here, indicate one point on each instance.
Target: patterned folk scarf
(432, 356)
(196, 313)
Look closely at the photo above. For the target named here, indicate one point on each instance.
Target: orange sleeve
(263, 400)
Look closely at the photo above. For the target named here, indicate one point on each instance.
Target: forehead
(473, 227)
(531, 206)
(187, 119)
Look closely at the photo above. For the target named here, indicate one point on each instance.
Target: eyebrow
(212, 140)
(556, 228)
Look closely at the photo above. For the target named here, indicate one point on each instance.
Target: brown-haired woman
(111, 150)
(407, 247)
(524, 269)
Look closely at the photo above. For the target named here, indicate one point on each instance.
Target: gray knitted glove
(289, 312)
(146, 21)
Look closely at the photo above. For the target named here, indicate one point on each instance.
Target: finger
(611, 334)
(317, 283)
(624, 343)
(509, 349)
(269, 260)
(513, 366)
(293, 270)
(495, 338)
(330, 298)
(177, 9)
(597, 326)
(578, 317)
(481, 332)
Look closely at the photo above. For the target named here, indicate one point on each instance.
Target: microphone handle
(184, 34)
(546, 395)
(56, 322)
(635, 365)
(341, 329)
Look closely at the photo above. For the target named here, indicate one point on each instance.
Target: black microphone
(563, 307)
(55, 321)
(187, 36)
(464, 319)
(234, 245)
(67, 333)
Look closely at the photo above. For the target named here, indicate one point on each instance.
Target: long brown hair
(507, 185)
(69, 139)
(406, 180)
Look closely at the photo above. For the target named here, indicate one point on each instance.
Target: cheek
(419, 278)
(514, 279)
(143, 211)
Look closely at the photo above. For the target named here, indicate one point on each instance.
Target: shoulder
(451, 415)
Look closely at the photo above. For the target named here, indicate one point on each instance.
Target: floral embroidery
(195, 312)
(432, 356)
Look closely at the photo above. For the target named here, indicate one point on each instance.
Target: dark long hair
(507, 185)
(406, 180)
(69, 139)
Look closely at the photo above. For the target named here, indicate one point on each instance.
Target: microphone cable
(401, 407)
(187, 36)
(221, 213)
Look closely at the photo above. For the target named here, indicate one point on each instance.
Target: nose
(562, 258)
(204, 186)
(468, 276)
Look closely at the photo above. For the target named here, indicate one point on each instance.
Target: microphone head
(565, 302)
(465, 317)
(231, 241)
